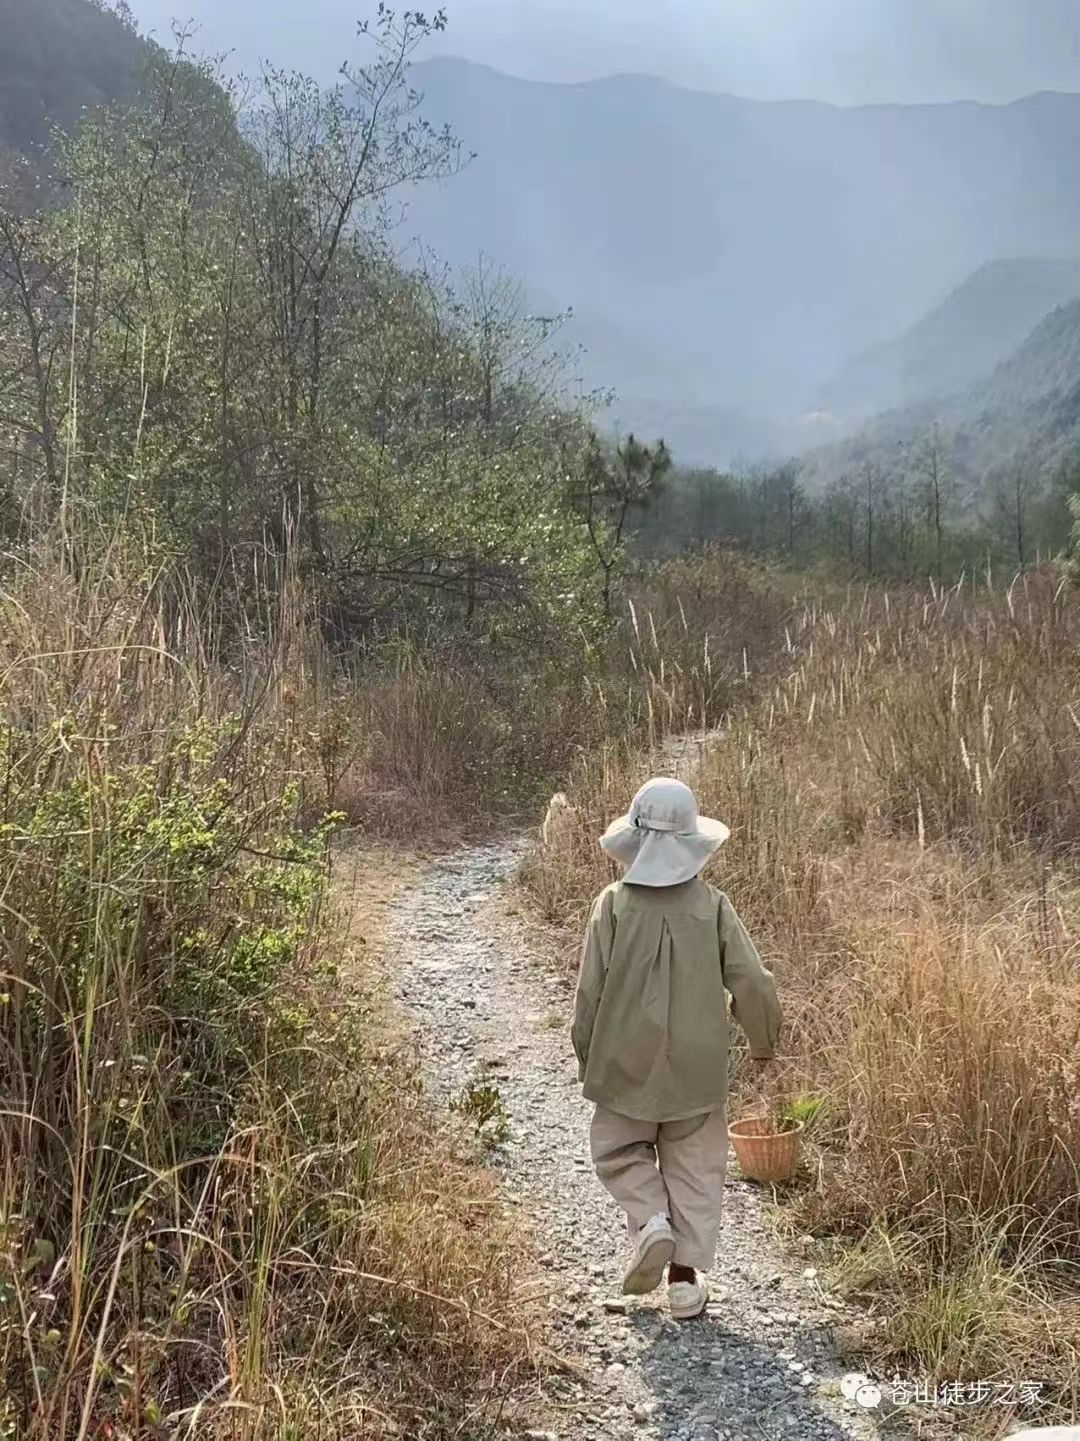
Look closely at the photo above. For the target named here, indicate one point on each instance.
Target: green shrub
(482, 1106)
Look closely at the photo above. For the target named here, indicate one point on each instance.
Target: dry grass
(906, 823)
(224, 1207)
(452, 744)
(697, 642)
(458, 740)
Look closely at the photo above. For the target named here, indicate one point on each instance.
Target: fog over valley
(742, 234)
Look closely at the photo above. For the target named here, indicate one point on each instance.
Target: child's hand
(765, 1078)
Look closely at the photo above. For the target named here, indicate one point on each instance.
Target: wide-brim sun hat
(662, 840)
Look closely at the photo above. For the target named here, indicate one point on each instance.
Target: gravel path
(758, 1364)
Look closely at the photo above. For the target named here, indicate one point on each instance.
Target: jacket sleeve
(595, 959)
(753, 993)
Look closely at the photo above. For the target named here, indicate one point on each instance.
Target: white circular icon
(852, 1383)
(869, 1395)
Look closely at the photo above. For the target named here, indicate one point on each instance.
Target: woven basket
(763, 1152)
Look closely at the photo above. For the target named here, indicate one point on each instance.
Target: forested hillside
(971, 480)
(292, 536)
(958, 344)
(58, 59)
(1001, 458)
(251, 366)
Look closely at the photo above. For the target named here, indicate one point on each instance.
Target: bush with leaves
(212, 336)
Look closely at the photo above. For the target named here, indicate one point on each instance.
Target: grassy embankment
(903, 783)
(226, 1209)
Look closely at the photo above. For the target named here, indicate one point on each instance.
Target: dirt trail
(758, 1364)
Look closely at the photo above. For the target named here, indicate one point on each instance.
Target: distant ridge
(751, 248)
(1023, 418)
(959, 342)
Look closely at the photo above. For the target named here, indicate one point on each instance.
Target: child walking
(663, 952)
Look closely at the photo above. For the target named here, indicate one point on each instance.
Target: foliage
(906, 522)
(234, 426)
(214, 336)
(803, 1110)
(482, 1106)
(213, 1185)
(618, 482)
(1074, 511)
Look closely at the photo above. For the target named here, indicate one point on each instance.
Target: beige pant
(674, 1167)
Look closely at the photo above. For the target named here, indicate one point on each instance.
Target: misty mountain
(1028, 412)
(959, 343)
(1023, 418)
(59, 58)
(723, 258)
(750, 247)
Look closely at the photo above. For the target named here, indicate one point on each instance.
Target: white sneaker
(653, 1249)
(687, 1299)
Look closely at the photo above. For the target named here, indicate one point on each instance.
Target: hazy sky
(849, 51)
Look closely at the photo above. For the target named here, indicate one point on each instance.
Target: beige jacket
(651, 1017)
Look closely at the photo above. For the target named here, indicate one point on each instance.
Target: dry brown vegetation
(902, 787)
(226, 1207)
